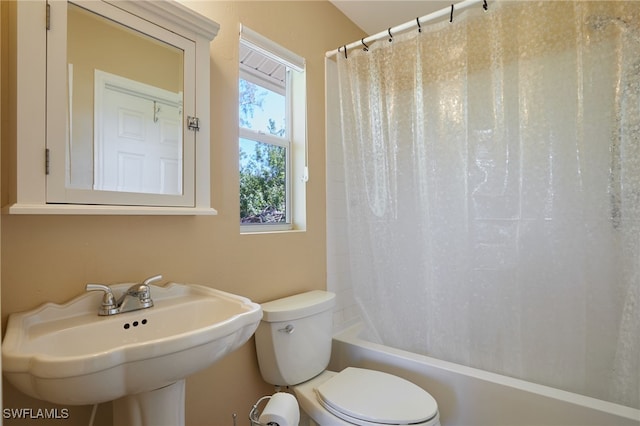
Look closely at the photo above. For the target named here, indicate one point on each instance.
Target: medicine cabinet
(112, 108)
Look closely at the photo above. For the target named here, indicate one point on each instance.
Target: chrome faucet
(138, 296)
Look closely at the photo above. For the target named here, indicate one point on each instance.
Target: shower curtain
(492, 170)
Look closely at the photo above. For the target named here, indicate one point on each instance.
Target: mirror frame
(29, 192)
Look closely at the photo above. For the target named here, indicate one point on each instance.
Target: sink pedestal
(164, 406)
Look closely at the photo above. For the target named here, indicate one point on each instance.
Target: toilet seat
(373, 398)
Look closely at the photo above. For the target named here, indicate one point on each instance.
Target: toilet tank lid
(298, 306)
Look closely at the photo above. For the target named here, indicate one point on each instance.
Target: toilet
(293, 343)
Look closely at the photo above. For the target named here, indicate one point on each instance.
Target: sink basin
(67, 354)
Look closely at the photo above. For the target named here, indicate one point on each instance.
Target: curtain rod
(406, 26)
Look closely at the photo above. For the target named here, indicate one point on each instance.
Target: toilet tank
(293, 340)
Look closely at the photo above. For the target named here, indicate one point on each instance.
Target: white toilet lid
(366, 397)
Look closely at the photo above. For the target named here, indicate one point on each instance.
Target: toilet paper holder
(281, 409)
(254, 414)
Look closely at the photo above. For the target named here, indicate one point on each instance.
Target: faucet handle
(108, 306)
(152, 279)
(143, 292)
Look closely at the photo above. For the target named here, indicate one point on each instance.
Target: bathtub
(471, 397)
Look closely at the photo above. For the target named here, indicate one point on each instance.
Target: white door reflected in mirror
(138, 137)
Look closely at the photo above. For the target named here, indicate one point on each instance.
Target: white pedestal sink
(68, 355)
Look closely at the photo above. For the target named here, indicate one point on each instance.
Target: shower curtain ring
(365, 48)
(451, 16)
(390, 35)
(485, 6)
(419, 27)
(345, 51)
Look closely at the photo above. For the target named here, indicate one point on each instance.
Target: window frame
(292, 140)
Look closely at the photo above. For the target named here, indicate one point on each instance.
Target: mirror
(124, 108)
(66, 77)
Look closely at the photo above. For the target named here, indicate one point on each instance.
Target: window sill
(268, 229)
(78, 209)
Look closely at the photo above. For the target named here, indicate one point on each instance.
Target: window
(272, 135)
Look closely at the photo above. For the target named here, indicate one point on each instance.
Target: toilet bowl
(293, 344)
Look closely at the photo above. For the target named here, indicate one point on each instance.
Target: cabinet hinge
(46, 161)
(48, 23)
(193, 123)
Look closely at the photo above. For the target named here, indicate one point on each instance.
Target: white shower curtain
(493, 190)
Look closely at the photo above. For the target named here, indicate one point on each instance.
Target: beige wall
(50, 258)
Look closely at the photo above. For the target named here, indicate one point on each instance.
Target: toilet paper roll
(282, 410)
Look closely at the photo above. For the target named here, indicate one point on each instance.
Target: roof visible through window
(262, 66)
